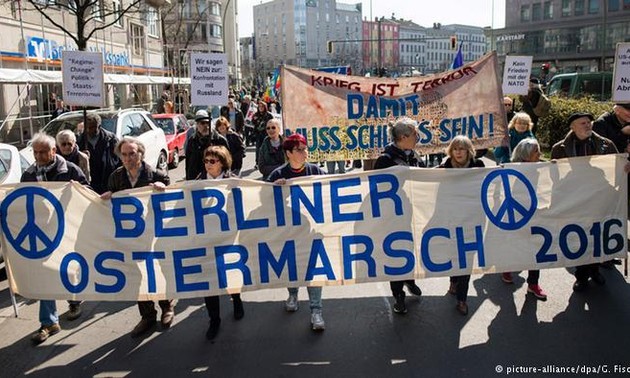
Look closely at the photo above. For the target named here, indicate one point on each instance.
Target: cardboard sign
(83, 78)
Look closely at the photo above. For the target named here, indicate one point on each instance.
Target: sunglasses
(271, 128)
(66, 144)
(211, 161)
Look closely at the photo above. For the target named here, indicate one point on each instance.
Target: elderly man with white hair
(49, 166)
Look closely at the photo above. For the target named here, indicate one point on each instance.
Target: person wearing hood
(404, 134)
(203, 138)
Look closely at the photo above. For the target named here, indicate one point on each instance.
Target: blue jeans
(330, 165)
(48, 313)
(314, 296)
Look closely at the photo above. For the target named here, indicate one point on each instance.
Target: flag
(458, 61)
(274, 86)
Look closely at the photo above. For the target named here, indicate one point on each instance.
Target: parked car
(126, 122)
(174, 127)
(581, 84)
(12, 165)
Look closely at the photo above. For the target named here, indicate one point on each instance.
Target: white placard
(516, 74)
(83, 78)
(208, 79)
(621, 82)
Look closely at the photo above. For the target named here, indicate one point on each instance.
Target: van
(597, 85)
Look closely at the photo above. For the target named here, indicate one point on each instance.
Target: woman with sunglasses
(461, 154)
(218, 162)
(271, 155)
(68, 149)
(296, 151)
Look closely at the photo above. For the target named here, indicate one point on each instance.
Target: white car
(133, 122)
(11, 167)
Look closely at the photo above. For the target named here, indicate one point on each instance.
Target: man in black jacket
(203, 138)
(99, 145)
(404, 135)
(49, 166)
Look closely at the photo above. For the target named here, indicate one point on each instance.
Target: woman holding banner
(461, 154)
(528, 150)
(296, 152)
(135, 173)
(218, 164)
(404, 135)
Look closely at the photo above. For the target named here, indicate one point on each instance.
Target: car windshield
(70, 122)
(166, 124)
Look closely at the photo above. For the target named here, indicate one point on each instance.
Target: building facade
(381, 45)
(29, 41)
(413, 47)
(570, 35)
(297, 33)
(441, 53)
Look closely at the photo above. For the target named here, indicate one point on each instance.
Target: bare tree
(85, 12)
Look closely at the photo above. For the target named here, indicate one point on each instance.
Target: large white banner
(61, 241)
(347, 117)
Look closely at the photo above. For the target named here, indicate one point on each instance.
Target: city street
(506, 331)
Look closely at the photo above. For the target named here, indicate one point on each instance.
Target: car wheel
(175, 161)
(162, 163)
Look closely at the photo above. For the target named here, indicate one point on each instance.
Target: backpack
(543, 106)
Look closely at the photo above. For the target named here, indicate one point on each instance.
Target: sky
(422, 12)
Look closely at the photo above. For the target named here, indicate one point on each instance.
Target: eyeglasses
(271, 128)
(507, 104)
(299, 149)
(211, 161)
(66, 144)
(130, 154)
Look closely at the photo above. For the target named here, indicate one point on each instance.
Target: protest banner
(200, 238)
(83, 78)
(516, 74)
(621, 76)
(346, 117)
(208, 79)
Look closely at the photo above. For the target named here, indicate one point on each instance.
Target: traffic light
(453, 42)
(330, 47)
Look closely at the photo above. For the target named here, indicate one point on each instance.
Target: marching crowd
(214, 152)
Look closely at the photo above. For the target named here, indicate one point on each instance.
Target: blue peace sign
(31, 230)
(510, 205)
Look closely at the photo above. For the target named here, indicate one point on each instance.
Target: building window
(116, 12)
(626, 4)
(137, 39)
(98, 10)
(579, 7)
(593, 6)
(566, 8)
(536, 12)
(216, 31)
(525, 13)
(151, 21)
(548, 14)
(215, 9)
(613, 5)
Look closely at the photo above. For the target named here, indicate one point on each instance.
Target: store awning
(16, 76)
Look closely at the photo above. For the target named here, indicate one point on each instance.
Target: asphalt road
(506, 329)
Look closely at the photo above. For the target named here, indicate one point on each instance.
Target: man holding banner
(582, 141)
(49, 166)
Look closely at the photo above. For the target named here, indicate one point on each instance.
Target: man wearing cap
(582, 141)
(203, 138)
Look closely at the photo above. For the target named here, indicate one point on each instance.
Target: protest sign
(621, 77)
(208, 79)
(83, 78)
(209, 237)
(347, 117)
(516, 74)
